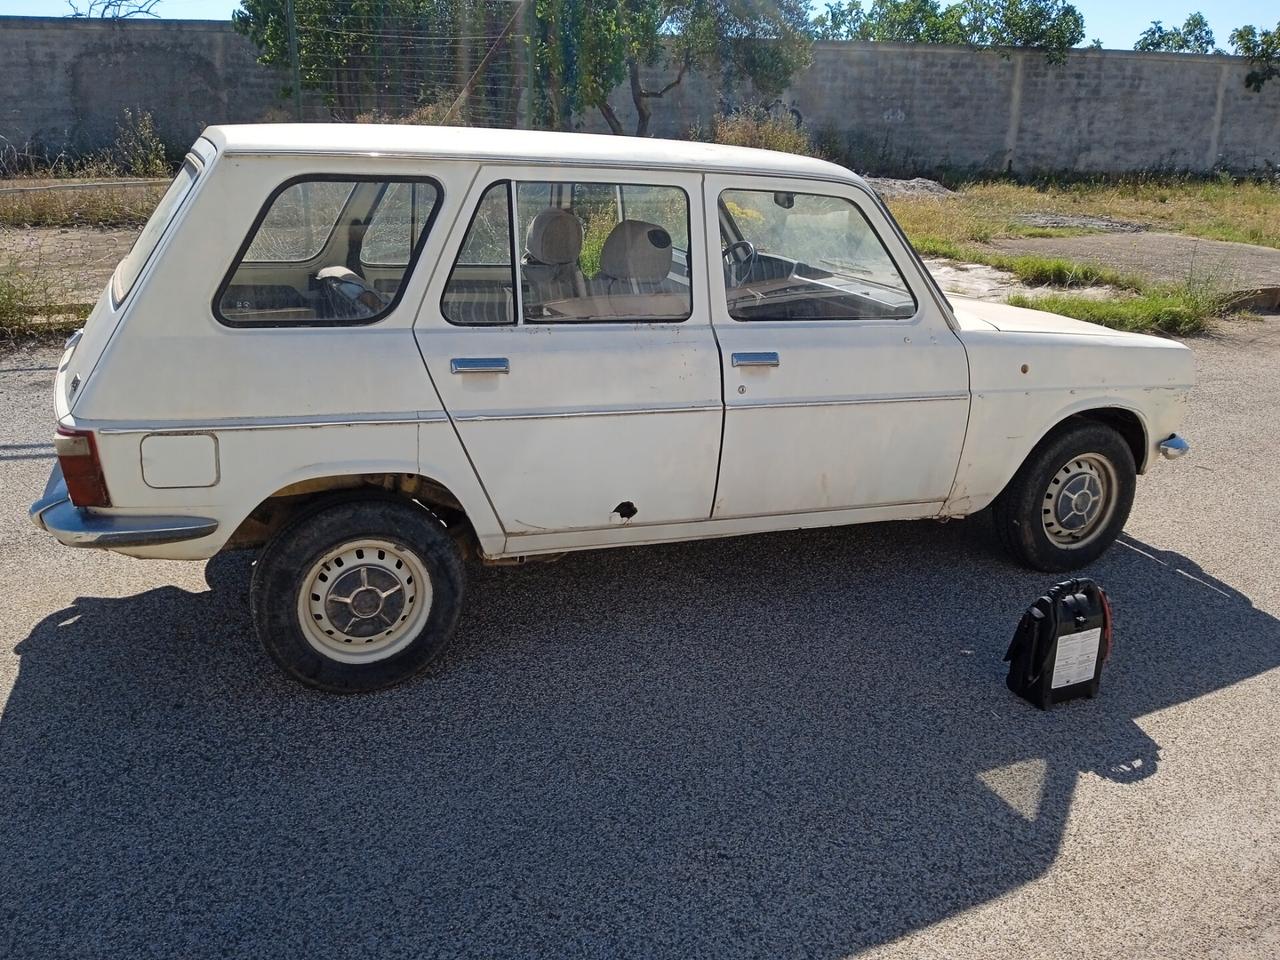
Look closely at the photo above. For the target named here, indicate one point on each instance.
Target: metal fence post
(293, 60)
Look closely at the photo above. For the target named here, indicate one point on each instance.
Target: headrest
(339, 273)
(554, 237)
(637, 250)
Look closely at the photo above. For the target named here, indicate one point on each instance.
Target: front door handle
(766, 359)
(479, 365)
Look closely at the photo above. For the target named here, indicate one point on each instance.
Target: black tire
(422, 622)
(1032, 504)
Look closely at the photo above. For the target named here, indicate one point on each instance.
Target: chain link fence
(442, 63)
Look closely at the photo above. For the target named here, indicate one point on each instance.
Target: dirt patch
(78, 261)
(1063, 221)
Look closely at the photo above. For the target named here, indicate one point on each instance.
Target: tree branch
(670, 86)
(638, 97)
(611, 118)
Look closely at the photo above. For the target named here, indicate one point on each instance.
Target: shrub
(759, 128)
(426, 114)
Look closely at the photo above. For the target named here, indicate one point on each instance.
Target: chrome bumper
(1174, 447)
(75, 527)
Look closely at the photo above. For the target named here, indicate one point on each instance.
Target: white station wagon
(375, 351)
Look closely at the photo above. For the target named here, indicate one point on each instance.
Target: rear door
(844, 385)
(571, 344)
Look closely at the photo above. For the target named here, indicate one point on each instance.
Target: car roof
(516, 146)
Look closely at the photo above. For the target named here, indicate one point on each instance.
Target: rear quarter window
(328, 251)
(130, 268)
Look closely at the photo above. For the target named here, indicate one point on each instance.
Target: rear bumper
(76, 527)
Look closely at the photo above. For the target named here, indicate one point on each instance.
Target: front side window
(578, 251)
(327, 251)
(800, 256)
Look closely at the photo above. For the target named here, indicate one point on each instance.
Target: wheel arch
(276, 509)
(1125, 421)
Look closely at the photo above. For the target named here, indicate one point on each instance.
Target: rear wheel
(358, 595)
(1070, 500)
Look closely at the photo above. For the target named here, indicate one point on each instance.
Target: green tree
(1194, 36)
(584, 50)
(1050, 25)
(1262, 47)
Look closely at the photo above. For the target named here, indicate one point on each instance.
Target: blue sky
(1116, 22)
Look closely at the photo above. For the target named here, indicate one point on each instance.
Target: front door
(844, 386)
(570, 341)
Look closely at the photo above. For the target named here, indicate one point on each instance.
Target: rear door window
(329, 251)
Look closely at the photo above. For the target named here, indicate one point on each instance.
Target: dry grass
(758, 129)
(1246, 212)
(57, 206)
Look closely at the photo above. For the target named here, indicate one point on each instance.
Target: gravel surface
(795, 745)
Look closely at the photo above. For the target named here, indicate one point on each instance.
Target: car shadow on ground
(790, 745)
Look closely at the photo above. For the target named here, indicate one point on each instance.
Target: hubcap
(364, 601)
(1079, 501)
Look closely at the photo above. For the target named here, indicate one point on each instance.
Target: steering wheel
(739, 267)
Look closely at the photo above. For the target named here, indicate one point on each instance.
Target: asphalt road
(795, 745)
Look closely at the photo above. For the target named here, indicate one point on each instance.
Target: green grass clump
(1033, 270)
(1181, 309)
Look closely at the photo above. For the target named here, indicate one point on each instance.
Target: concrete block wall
(67, 82)
(905, 108)
(893, 107)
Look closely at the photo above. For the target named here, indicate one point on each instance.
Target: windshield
(131, 266)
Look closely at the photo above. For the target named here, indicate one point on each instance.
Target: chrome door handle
(767, 359)
(479, 365)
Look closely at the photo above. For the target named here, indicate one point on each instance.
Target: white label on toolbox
(1077, 656)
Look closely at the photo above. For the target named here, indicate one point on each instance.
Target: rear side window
(131, 266)
(577, 252)
(328, 251)
(599, 252)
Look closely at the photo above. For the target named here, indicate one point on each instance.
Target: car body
(556, 342)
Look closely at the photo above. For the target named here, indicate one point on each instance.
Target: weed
(31, 306)
(138, 150)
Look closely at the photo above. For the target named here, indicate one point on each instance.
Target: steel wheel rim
(364, 601)
(1079, 501)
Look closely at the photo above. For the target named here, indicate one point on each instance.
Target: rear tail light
(77, 452)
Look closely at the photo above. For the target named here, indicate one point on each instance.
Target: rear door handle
(479, 365)
(765, 359)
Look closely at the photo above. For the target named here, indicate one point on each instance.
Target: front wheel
(358, 595)
(1070, 500)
